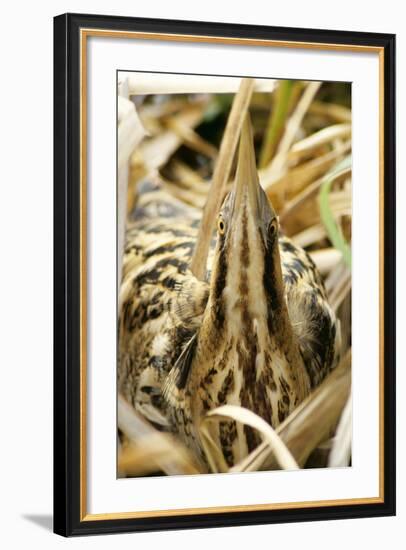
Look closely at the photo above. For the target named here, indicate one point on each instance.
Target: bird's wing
(177, 377)
(155, 203)
(160, 301)
(312, 319)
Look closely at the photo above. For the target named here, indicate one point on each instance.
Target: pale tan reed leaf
(122, 87)
(340, 454)
(130, 133)
(192, 138)
(212, 451)
(338, 278)
(269, 435)
(130, 130)
(153, 113)
(154, 83)
(295, 179)
(309, 235)
(316, 140)
(309, 193)
(331, 110)
(295, 204)
(155, 151)
(197, 200)
(338, 295)
(221, 175)
(340, 202)
(188, 178)
(168, 454)
(326, 259)
(148, 457)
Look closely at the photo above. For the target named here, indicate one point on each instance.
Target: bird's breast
(248, 371)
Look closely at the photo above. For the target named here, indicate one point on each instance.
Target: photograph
(200, 226)
(224, 263)
(234, 223)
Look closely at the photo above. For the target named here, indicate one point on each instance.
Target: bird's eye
(221, 226)
(272, 228)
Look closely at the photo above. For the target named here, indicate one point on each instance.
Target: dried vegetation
(184, 131)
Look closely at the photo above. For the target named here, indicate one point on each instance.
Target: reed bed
(184, 133)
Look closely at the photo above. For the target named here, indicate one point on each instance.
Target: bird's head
(246, 281)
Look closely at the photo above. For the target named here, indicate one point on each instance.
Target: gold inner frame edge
(84, 34)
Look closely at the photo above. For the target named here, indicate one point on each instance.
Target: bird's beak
(247, 189)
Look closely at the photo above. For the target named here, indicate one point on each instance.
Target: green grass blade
(333, 230)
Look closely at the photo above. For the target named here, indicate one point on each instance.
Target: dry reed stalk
(304, 168)
(130, 133)
(336, 275)
(322, 137)
(276, 121)
(156, 151)
(309, 236)
(339, 293)
(158, 84)
(326, 259)
(187, 177)
(192, 139)
(331, 110)
(221, 176)
(190, 197)
(294, 205)
(248, 418)
(296, 179)
(153, 455)
(154, 115)
(340, 202)
(278, 164)
(341, 448)
(166, 453)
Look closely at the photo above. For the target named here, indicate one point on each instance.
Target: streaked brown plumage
(257, 333)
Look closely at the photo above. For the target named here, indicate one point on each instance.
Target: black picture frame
(67, 354)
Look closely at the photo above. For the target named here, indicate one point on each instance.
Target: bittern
(258, 332)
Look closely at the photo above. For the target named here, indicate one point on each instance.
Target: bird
(257, 332)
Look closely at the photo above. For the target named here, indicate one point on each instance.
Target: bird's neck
(250, 298)
(244, 354)
(277, 318)
(248, 333)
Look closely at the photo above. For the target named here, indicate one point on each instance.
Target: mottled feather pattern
(161, 308)
(313, 321)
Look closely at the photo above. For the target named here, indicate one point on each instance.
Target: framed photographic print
(224, 309)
